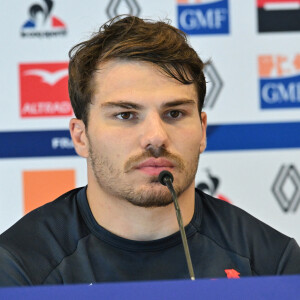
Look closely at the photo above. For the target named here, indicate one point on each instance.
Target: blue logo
(279, 84)
(207, 17)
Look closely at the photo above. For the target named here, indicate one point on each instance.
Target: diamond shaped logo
(286, 188)
(214, 85)
(119, 7)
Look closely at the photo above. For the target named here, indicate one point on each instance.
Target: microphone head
(165, 175)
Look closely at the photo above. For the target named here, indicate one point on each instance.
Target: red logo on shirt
(232, 273)
(44, 90)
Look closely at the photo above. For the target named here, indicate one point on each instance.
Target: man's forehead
(136, 81)
(123, 68)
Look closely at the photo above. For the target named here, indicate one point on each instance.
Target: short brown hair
(132, 38)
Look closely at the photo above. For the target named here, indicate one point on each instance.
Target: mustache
(155, 152)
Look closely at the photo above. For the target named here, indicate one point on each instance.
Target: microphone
(166, 178)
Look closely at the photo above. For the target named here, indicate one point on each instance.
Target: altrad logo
(286, 188)
(279, 81)
(278, 15)
(203, 17)
(44, 90)
(41, 23)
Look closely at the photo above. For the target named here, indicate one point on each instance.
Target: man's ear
(203, 133)
(79, 137)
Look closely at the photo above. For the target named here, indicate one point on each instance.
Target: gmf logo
(44, 90)
(41, 23)
(203, 16)
(279, 81)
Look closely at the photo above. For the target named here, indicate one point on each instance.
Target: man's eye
(125, 116)
(175, 114)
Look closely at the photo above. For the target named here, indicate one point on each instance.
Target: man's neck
(138, 223)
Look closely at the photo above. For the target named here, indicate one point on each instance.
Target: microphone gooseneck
(166, 178)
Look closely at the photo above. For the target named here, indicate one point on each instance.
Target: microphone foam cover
(163, 175)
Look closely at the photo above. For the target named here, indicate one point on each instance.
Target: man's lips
(154, 166)
(156, 163)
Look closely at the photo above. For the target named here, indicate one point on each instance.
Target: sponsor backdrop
(253, 102)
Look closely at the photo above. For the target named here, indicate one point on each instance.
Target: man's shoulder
(45, 215)
(39, 240)
(238, 231)
(234, 220)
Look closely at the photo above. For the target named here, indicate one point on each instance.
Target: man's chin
(155, 196)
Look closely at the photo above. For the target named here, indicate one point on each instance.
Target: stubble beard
(149, 195)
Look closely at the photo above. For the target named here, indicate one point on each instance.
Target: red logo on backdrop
(44, 90)
(210, 185)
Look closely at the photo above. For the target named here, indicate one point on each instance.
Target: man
(137, 89)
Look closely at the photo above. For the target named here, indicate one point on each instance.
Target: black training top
(61, 243)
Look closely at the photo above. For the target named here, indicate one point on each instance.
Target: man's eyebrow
(179, 102)
(133, 105)
(122, 104)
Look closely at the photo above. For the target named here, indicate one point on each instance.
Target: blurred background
(253, 101)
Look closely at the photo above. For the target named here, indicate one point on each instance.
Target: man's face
(140, 123)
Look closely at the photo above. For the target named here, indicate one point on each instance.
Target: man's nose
(153, 132)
